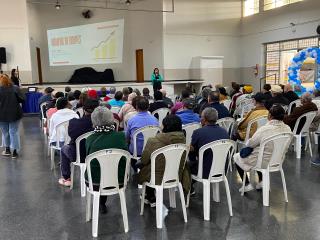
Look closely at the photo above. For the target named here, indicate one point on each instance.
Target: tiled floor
(34, 206)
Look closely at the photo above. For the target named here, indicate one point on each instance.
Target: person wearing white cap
(277, 97)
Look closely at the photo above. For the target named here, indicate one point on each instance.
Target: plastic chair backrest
(226, 123)
(246, 108)
(147, 132)
(227, 103)
(78, 141)
(189, 129)
(162, 113)
(43, 109)
(109, 160)
(316, 102)
(294, 104)
(285, 107)
(280, 145)
(220, 150)
(259, 122)
(309, 116)
(117, 123)
(62, 133)
(172, 154)
(80, 112)
(115, 109)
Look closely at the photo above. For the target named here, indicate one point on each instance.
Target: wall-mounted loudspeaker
(3, 55)
(318, 29)
(87, 14)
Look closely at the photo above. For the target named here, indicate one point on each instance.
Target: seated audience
(213, 102)
(277, 97)
(178, 106)
(167, 100)
(63, 114)
(258, 111)
(137, 91)
(289, 93)
(55, 95)
(235, 95)
(76, 128)
(267, 91)
(223, 94)
(142, 119)
(128, 107)
(146, 94)
(110, 95)
(307, 106)
(117, 101)
(274, 126)
(125, 92)
(92, 94)
(158, 102)
(233, 89)
(76, 95)
(104, 137)
(247, 91)
(67, 91)
(103, 92)
(171, 134)
(130, 90)
(203, 99)
(46, 97)
(208, 133)
(297, 90)
(187, 115)
(83, 97)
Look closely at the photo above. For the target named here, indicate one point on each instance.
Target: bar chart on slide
(106, 49)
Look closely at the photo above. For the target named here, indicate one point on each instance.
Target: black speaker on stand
(3, 57)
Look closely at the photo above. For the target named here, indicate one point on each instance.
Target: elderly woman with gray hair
(105, 137)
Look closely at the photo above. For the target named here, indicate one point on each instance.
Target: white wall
(142, 30)
(14, 37)
(202, 28)
(274, 25)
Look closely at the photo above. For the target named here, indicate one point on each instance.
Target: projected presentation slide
(99, 43)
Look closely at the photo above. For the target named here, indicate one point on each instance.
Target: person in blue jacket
(187, 115)
(156, 80)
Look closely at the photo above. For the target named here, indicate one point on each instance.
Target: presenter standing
(156, 79)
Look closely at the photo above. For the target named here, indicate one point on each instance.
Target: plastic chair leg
(310, 146)
(265, 188)
(124, 210)
(143, 195)
(206, 200)
(95, 214)
(188, 200)
(172, 198)
(52, 158)
(243, 182)
(315, 138)
(88, 207)
(159, 203)
(72, 173)
(284, 185)
(82, 180)
(298, 147)
(183, 203)
(228, 196)
(215, 192)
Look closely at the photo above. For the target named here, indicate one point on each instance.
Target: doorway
(39, 65)
(139, 65)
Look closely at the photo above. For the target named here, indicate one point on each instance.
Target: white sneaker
(259, 186)
(247, 188)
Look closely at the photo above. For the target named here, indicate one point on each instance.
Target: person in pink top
(178, 106)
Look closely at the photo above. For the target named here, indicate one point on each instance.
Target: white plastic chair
(316, 102)
(42, 112)
(80, 112)
(109, 184)
(189, 129)
(226, 123)
(162, 113)
(172, 154)
(61, 133)
(305, 132)
(115, 109)
(220, 150)
(280, 144)
(80, 164)
(147, 132)
(117, 123)
(294, 104)
(227, 103)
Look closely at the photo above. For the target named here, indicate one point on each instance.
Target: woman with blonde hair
(11, 113)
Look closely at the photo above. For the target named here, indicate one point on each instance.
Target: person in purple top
(142, 119)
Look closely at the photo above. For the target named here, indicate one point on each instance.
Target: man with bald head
(289, 93)
(307, 106)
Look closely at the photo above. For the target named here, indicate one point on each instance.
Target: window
(271, 4)
(250, 7)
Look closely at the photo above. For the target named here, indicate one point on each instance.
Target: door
(139, 65)
(39, 66)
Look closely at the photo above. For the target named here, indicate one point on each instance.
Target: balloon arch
(297, 63)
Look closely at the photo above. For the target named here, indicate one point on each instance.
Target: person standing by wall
(15, 77)
(156, 79)
(11, 113)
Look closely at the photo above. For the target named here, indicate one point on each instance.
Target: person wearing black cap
(47, 96)
(258, 111)
(76, 128)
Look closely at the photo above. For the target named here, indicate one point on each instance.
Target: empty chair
(161, 113)
(110, 184)
(115, 109)
(280, 144)
(146, 133)
(304, 132)
(61, 133)
(80, 164)
(188, 129)
(43, 115)
(80, 112)
(173, 156)
(293, 104)
(220, 150)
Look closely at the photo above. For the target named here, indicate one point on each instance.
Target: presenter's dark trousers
(157, 86)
